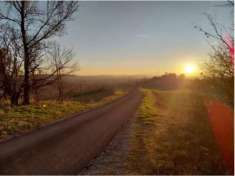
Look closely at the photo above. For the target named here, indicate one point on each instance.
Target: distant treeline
(166, 81)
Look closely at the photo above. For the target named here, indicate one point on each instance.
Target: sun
(189, 69)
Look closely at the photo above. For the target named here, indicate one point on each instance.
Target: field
(171, 135)
(86, 88)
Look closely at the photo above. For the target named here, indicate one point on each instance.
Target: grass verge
(17, 120)
(171, 135)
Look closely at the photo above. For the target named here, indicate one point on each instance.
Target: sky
(141, 38)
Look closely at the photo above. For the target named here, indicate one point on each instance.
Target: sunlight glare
(189, 69)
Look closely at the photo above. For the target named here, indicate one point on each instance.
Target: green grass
(21, 119)
(93, 95)
(171, 135)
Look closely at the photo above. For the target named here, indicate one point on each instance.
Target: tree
(10, 67)
(62, 65)
(218, 71)
(33, 23)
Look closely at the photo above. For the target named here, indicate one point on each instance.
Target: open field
(85, 88)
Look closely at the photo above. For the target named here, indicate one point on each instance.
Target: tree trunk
(26, 98)
(15, 99)
(60, 87)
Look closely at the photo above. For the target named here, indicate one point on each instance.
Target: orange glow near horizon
(187, 65)
(188, 70)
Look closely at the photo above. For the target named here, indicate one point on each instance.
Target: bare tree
(62, 65)
(10, 66)
(218, 71)
(34, 23)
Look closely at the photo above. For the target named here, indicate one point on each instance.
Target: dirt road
(67, 146)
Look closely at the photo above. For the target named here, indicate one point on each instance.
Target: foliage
(218, 71)
(219, 74)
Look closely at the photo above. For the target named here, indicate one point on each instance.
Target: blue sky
(140, 38)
